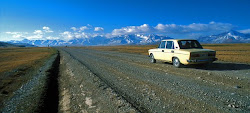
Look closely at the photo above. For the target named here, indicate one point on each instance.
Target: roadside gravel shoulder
(29, 98)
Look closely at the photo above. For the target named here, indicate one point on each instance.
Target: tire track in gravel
(82, 91)
(110, 85)
(130, 76)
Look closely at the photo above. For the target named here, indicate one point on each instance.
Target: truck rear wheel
(176, 62)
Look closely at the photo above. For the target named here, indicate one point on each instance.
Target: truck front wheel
(176, 62)
(152, 59)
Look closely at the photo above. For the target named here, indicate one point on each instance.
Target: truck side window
(170, 45)
(163, 44)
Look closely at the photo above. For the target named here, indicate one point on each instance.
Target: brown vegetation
(225, 52)
(15, 63)
(231, 52)
(12, 58)
(138, 49)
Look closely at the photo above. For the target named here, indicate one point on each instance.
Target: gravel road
(146, 87)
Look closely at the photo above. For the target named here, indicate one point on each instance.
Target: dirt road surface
(105, 81)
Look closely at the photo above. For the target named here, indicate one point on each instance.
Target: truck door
(160, 50)
(169, 51)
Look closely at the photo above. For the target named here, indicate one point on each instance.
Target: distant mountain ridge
(226, 37)
(5, 44)
(137, 39)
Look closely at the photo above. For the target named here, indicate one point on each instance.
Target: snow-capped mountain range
(227, 37)
(136, 39)
(98, 40)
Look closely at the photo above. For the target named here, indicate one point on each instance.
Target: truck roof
(176, 39)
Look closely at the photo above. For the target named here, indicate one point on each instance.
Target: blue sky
(68, 19)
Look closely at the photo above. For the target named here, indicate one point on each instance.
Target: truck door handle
(172, 51)
(162, 50)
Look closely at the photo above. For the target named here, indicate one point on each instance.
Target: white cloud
(35, 37)
(160, 27)
(38, 35)
(81, 35)
(81, 32)
(145, 28)
(89, 25)
(97, 34)
(47, 29)
(67, 35)
(99, 29)
(52, 38)
(73, 28)
(38, 32)
(71, 35)
(83, 28)
(245, 31)
(78, 35)
(108, 35)
(194, 29)
(212, 27)
(16, 35)
(10, 32)
(85, 35)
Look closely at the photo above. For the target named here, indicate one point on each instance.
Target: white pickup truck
(182, 52)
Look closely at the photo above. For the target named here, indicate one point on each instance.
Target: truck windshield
(189, 44)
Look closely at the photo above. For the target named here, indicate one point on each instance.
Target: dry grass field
(11, 58)
(15, 63)
(225, 52)
(138, 49)
(231, 52)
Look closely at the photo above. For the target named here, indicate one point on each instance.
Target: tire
(152, 59)
(176, 62)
